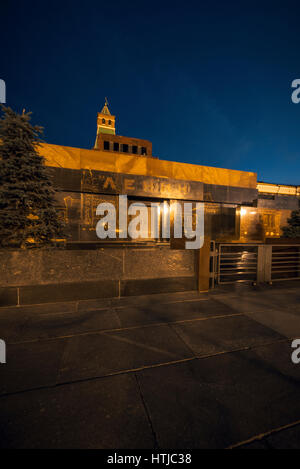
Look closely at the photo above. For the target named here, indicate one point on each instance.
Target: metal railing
(285, 262)
(237, 263)
(253, 262)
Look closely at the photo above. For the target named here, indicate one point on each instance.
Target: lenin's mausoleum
(239, 210)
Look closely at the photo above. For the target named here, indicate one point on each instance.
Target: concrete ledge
(99, 304)
(22, 296)
(68, 291)
(157, 285)
(44, 308)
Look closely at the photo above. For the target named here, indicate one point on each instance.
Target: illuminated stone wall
(82, 190)
(237, 207)
(49, 275)
(78, 158)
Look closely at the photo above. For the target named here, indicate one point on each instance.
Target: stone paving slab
(141, 300)
(17, 327)
(285, 322)
(102, 354)
(62, 324)
(222, 400)
(250, 304)
(282, 302)
(257, 444)
(106, 413)
(170, 312)
(210, 402)
(11, 326)
(285, 439)
(31, 365)
(224, 334)
(268, 297)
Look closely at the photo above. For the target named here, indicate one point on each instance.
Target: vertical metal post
(204, 261)
(213, 263)
(219, 263)
(260, 264)
(264, 263)
(267, 263)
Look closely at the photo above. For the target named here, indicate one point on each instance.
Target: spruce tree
(28, 216)
(293, 228)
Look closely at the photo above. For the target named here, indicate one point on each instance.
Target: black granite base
(58, 292)
(8, 296)
(157, 285)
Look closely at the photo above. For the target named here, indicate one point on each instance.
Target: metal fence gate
(254, 263)
(285, 262)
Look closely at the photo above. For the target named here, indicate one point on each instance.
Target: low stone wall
(49, 275)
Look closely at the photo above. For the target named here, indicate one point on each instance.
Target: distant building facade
(107, 140)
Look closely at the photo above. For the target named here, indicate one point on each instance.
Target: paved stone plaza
(169, 371)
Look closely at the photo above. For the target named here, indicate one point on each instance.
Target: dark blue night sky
(207, 82)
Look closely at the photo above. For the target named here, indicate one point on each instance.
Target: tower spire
(105, 109)
(105, 122)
